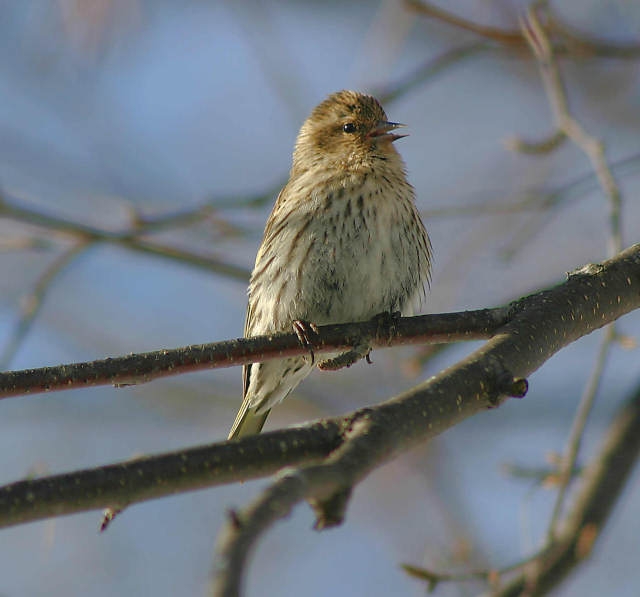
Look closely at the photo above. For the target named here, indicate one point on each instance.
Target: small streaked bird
(343, 243)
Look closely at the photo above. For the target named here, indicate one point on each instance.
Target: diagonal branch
(602, 483)
(566, 40)
(342, 450)
(33, 301)
(543, 324)
(566, 469)
(603, 480)
(501, 36)
(429, 71)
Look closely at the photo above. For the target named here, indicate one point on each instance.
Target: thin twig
(579, 44)
(541, 46)
(574, 442)
(428, 71)
(545, 476)
(129, 239)
(501, 36)
(32, 303)
(542, 201)
(546, 145)
(490, 575)
(542, 49)
(145, 224)
(566, 41)
(602, 483)
(24, 243)
(536, 199)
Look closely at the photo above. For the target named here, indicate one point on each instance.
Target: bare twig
(538, 200)
(566, 124)
(501, 36)
(574, 442)
(429, 71)
(545, 476)
(129, 239)
(33, 301)
(490, 575)
(24, 243)
(547, 145)
(192, 215)
(535, 199)
(566, 41)
(541, 46)
(577, 43)
(602, 482)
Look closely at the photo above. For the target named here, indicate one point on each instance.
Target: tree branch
(542, 325)
(139, 479)
(130, 239)
(144, 367)
(334, 454)
(566, 125)
(32, 302)
(602, 483)
(566, 40)
(447, 327)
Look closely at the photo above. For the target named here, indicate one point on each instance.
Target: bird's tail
(247, 422)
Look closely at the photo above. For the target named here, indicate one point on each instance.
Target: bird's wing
(247, 422)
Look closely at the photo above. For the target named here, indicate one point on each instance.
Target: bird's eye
(349, 127)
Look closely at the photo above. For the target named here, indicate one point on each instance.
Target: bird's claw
(305, 331)
(387, 318)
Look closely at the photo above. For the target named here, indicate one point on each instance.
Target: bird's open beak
(382, 131)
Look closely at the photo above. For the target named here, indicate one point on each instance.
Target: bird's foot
(305, 332)
(387, 319)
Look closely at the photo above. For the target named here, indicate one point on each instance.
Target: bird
(344, 243)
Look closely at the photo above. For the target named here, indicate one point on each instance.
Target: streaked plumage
(343, 243)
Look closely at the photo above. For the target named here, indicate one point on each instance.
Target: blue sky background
(162, 106)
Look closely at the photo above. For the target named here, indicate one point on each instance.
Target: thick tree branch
(139, 479)
(543, 324)
(340, 451)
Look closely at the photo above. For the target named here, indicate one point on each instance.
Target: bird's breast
(345, 253)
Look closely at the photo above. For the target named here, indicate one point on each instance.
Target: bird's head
(347, 131)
